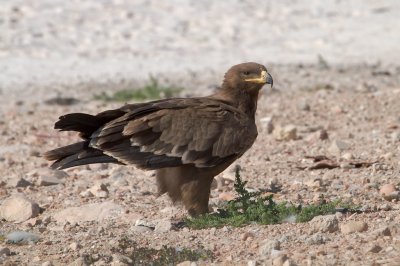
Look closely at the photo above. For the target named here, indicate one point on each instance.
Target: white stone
(324, 224)
(286, 133)
(18, 209)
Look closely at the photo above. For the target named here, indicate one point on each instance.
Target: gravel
(350, 95)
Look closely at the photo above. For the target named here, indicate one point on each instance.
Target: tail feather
(84, 123)
(80, 153)
(77, 154)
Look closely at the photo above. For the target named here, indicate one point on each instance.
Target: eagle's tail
(80, 153)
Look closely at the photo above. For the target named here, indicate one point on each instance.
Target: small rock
(286, 133)
(324, 224)
(337, 147)
(383, 231)
(21, 237)
(317, 136)
(144, 223)
(19, 182)
(163, 226)
(387, 156)
(246, 236)
(395, 136)
(266, 122)
(337, 109)
(18, 209)
(317, 239)
(47, 263)
(289, 262)
(347, 156)
(49, 181)
(141, 229)
(79, 262)
(251, 263)
(373, 248)
(280, 260)
(303, 105)
(74, 246)
(388, 192)
(99, 190)
(353, 226)
(4, 251)
(123, 260)
(268, 245)
(227, 196)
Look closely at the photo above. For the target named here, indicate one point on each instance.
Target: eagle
(188, 141)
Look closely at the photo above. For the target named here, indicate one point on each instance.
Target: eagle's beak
(265, 78)
(269, 80)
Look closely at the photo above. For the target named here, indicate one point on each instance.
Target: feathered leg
(188, 185)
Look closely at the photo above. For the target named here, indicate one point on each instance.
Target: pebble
(141, 229)
(145, 223)
(280, 260)
(18, 208)
(324, 224)
(383, 231)
(89, 212)
(4, 251)
(21, 237)
(317, 136)
(74, 246)
(99, 190)
(78, 262)
(47, 263)
(123, 260)
(303, 105)
(347, 156)
(246, 235)
(267, 123)
(316, 239)
(49, 177)
(163, 226)
(252, 263)
(49, 181)
(227, 196)
(267, 246)
(353, 227)
(19, 182)
(373, 248)
(338, 146)
(389, 192)
(285, 133)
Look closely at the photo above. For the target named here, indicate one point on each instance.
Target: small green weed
(164, 256)
(252, 207)
(152, 91)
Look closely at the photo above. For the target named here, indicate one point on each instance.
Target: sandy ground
(79, 48)
(49, 43)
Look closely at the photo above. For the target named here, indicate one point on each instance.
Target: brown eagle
(187, 141)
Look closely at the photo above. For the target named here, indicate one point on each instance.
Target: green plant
(252, 207)
(153, 90)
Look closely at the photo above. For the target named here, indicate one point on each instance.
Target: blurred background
(45, 43)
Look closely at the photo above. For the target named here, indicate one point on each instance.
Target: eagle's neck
(243, 99)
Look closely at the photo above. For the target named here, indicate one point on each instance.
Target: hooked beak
(269, 80)
(265, 78)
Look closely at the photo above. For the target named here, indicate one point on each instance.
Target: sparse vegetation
(152, 91)
(164, 256)
(252, 207)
